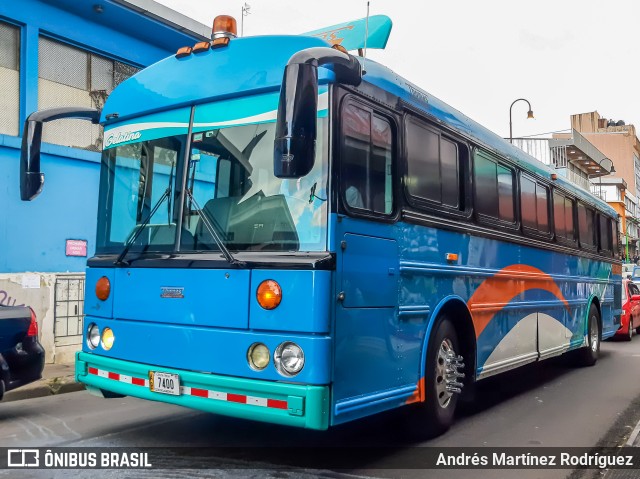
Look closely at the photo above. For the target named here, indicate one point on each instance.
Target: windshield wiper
(135, 236)
(212, 231)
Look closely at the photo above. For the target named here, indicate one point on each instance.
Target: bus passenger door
(367, 374)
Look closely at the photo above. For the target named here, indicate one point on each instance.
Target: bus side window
(614, 236)
(494, 189)
(585, 226)
(534, 205)
(604, 235)
(433, 166)
(563, 216)
(366, 153)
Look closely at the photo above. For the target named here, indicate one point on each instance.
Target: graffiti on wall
(7, 300)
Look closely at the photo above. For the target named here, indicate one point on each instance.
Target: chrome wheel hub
(594, 335)
(449, 368)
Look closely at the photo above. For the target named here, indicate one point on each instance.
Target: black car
(21, 355)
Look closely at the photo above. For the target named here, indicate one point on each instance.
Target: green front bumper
(278, 403)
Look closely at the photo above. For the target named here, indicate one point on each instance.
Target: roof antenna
(366, 35)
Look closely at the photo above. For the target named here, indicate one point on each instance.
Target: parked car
(21, 354)
(630, 318)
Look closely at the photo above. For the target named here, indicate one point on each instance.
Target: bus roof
(256, 65)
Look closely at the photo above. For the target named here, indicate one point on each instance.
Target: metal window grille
(9, 79)
(70, 76)
(69, 309)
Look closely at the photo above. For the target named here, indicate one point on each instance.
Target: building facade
(65, 53)
(619, 142)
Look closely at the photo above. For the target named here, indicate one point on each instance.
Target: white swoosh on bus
(323, 104)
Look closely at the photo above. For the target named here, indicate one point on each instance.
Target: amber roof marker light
(224, 26)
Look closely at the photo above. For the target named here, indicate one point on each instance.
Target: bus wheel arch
(449, 342)
(457, 311)
(588, 355)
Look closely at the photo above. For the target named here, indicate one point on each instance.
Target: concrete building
(59, 53)
(619, 142)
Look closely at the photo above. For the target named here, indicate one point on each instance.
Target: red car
(630, 318)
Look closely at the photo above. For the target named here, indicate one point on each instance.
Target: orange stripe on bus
(505, 285)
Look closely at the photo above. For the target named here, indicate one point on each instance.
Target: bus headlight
(289, 359)
(108, 338)
(93, 336)
(258, 356)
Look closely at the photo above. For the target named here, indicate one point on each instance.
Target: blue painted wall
(32, 235)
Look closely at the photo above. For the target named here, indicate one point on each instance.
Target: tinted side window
(433, 165)
(569, 208)
(494, 188)
(534, 202)
(585, 226)
(614, 237)
(559, 219)
(366, 153)
(604, 234)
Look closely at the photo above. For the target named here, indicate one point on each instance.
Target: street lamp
(529, 116)
(611, 171)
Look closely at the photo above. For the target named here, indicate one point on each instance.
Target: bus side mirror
(295, 143)
(296, 128)
(31, 178)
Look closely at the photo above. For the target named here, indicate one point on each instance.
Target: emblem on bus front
(171, 292)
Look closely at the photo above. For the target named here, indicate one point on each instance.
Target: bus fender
(593, 299)
(444, 302)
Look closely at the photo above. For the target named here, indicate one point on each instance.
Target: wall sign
(76, 248)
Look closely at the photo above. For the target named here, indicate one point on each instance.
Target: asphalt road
(547, 404)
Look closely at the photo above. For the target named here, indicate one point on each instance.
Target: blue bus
(291, 233)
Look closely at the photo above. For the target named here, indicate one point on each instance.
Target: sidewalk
(56, 379)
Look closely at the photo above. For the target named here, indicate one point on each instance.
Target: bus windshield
(230, 183)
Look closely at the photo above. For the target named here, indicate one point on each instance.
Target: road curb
(634, 436)
(42, 388)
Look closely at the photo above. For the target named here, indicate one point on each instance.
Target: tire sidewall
(441, 417)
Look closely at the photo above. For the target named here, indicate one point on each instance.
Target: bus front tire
(589, 355)
(436, 414)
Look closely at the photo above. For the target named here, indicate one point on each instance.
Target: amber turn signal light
(103, 288)
(269, 294)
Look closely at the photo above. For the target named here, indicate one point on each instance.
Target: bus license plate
(165, 383)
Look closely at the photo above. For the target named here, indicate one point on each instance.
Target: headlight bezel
(250, 358)
(93, 327)
(279, 363)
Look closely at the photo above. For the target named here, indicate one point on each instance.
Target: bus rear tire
(589, 355)
(436, 414)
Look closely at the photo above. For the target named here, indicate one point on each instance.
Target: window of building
(367, 153)
(433, 165)
(494, 188)
(9, 79)
(563, 216)
(70, 76)
(585, 226)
